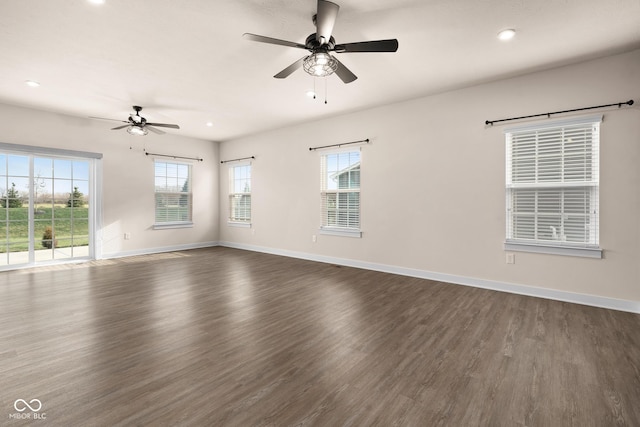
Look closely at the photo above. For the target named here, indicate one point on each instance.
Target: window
(340, 193)
(173, 194)
(240, 194)
(552, 187)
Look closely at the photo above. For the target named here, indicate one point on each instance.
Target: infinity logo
(25, 405)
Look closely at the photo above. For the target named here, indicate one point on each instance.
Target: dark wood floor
(226, 337)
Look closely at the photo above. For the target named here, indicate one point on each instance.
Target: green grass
(70, 227)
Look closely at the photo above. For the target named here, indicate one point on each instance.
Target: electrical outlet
(127, 236)
(314, 238)
(511, 258)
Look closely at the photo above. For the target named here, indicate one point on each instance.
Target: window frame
(563, 188)
(232, 220)
(159, 225)
(93, 196)
(335, 230)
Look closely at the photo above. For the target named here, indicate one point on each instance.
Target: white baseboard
(150, 251)
(553, 294)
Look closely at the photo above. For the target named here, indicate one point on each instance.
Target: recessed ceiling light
(32, 83)
(210, 124)
(97, 1)
(507, 34)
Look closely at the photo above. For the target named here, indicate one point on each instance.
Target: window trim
(168, 225)
(333, 230)
(238, 224)
(578, 251)
(338, 231)
(231, 222)
(542, 247)
(173, 224)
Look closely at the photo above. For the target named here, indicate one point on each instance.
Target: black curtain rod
(235, 160)
(619, 104)
(173, 157)
(339, 145)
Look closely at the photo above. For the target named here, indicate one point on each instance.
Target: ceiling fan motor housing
(314, 45)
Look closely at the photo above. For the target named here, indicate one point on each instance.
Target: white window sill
(335, 231)
(167, 225)
(553, 249)
(239, 224)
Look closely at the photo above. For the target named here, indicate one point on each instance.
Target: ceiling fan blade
(290, 69)
(390, 45)
(163, 125)
(344, 73)
(120, 127)
(154, 130)
(270, 40)
(325, 20)
(113, 120)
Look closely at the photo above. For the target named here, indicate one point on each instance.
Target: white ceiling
(187, 63)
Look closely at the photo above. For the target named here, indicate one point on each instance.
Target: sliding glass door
(46, 208)
(14, 216)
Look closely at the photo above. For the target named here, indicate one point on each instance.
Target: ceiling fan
(138, 125)
(320, 63)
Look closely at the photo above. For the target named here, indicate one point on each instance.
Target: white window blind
(340, 191)
(173, 196)
(240, 193)
(552, 181)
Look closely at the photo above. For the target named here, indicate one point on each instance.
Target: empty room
(312, 212)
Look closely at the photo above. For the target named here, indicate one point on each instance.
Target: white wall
(127, 177)
(433, 184)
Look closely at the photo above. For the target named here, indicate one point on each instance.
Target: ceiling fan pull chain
(325, 91)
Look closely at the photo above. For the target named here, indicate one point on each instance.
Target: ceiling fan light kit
(136, 130)
(321, 63)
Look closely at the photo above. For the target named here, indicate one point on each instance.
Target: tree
(38, 183)
(12, 199)
(75, 199)
(184, 194)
